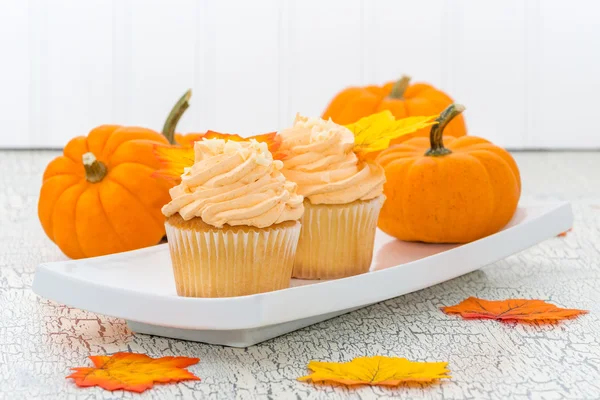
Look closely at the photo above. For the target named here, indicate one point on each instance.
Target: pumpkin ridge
(61, 165)
(422, 92)
(50, 229)
(491, 154)
(111, 166)
(109, 162)
(76, 162)
(417, 89)
(161, 222)
(125, 130)
(77, 242)
(60, 175)
(408, 173)
(384, 95)
(67, 154)
(103, 132)
(351, 98)
(490, 181)
(110, 223)
(489, 148)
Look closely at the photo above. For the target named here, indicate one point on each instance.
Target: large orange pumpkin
(447, 190)
(401, 98)
(99, 197)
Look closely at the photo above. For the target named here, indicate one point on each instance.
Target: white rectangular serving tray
(138, 286)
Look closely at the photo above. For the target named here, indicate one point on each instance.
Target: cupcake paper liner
(232, 261)
(336, 241)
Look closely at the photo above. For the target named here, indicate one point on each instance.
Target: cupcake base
(230, 261)
(336, 241)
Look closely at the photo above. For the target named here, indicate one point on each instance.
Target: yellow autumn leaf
(376, 371)
(374, 133)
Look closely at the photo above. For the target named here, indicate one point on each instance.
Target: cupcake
(232, 223)
(343, 197)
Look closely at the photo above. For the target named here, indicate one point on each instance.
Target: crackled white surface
(41, 340)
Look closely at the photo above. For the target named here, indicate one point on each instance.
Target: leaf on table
(374, 133)
(511, 309)
(133, 372)
(563, 234)
(376, 371)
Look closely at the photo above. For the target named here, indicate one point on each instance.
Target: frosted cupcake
(343, 197)
(232, 222)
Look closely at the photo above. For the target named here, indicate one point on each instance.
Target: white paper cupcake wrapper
(224, 263)
(337, 241)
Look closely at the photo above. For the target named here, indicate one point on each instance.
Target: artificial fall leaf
(175, 158)
(133, 372)
(563, 234)
(188, 139)
(376, 371)
(272, 140)
(374, 133)
(511, 309)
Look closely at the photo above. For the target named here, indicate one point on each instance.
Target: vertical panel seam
(368, 25)
(121, 62)
(210, 70)
(363, 55)
(532, 55)
(288, 44)
(283, 68)
(40, 133)
(198, 83)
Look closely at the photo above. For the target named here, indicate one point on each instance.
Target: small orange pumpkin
(401, 98)
(447, 190)
(99, 197)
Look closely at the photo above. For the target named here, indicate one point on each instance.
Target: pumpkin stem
(95, 170)
(400, 87)
(177, 111)
(436, 137)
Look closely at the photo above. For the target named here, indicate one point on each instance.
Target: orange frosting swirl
(235, 183)
(321, 160)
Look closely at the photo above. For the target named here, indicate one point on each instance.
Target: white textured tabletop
(40, 340)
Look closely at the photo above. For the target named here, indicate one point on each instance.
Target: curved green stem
(436, 136)
(400, 87)
(179, 108)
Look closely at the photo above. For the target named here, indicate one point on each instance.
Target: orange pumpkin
(99, 197)
(401, 98)
(447, 190)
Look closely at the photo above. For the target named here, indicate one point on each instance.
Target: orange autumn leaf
(188, 139)
(563, 234)
(175, 158)
(271, 139)
(511, 309)
(133, 372)
(376, 371)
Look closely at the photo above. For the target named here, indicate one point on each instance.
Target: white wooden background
(528, 71)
